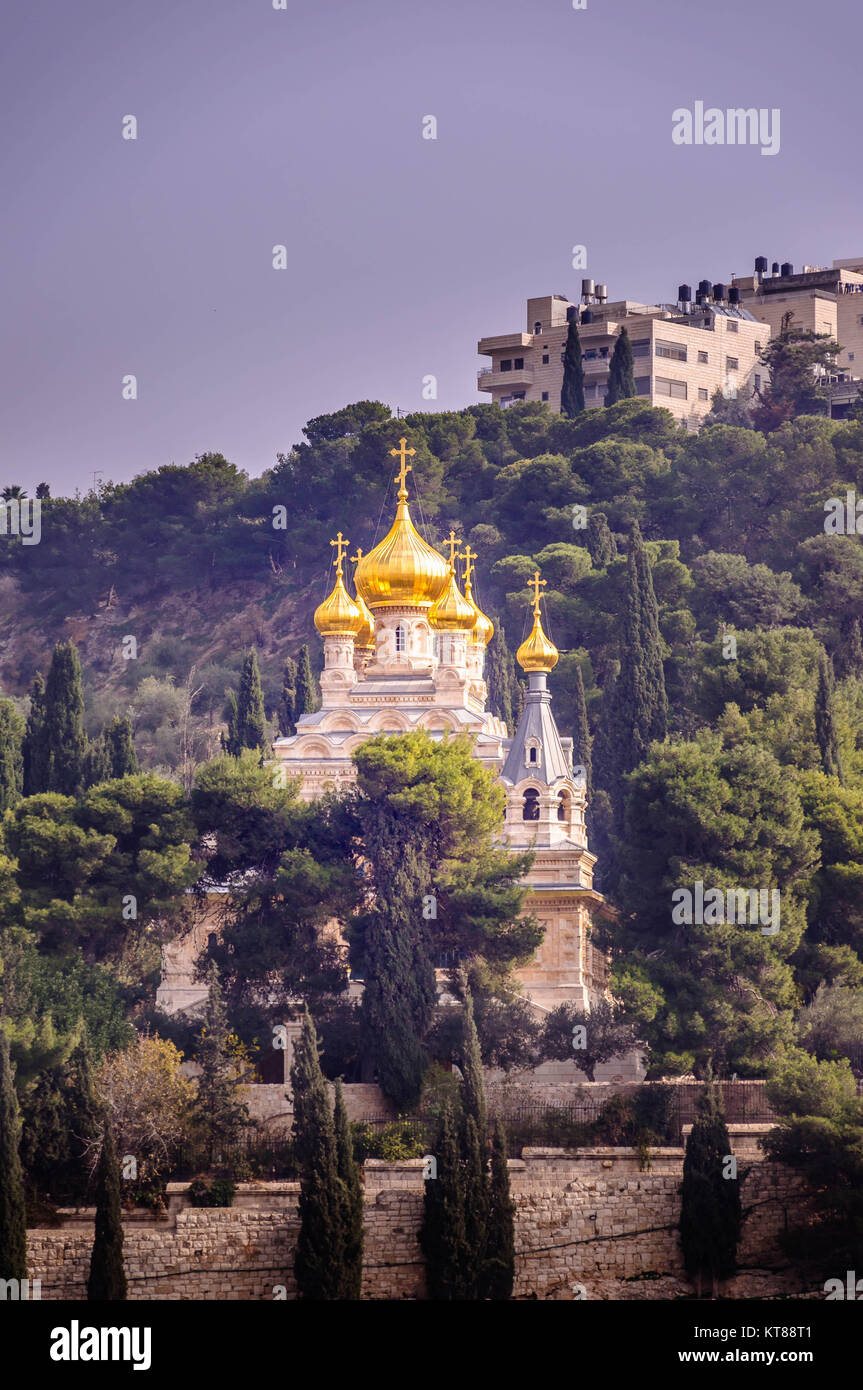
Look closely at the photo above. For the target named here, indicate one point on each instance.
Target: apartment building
(682, 352)
(827, 300)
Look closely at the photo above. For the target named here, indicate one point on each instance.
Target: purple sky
(303, 127)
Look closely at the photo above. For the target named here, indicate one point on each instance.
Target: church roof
(536, 727)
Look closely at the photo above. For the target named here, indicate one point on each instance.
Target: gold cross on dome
(355, 559)
(341, 544)
(402, 452)
(453, 543)
(537, 583)
(468, 556)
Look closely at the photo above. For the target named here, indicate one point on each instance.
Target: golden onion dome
(483, 628)
(338, 615)
(537, 653)
(365, 638)
(452, 612)
(403, 571)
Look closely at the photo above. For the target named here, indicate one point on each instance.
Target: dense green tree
(582, 749)
(599, 540)
(220, 1114)
(500, 1234)
(64, 721)
(501, 677)
(320, 1258)
(12, 730)
(352, 1199)
(97, 761)
(307, 697)
(572, 393)
(621, 376)
(587, 1038)
(13, 1235)
(825, 720)
(711, 1213)
(443, 1237)
(288, 707)
(61, 1122)
(121, 743)
(107, 1279)
(247, 721)
(35, 757)
(794, 358)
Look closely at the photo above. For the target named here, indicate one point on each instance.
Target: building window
(530, 807)
(665, 386)
(545, 359)
(757, 382)
(518, 395)
(518, 364)
(537, 328)
(758, 345)
(665, 348)
(732, 326)
(545, 395)
(641, 347)
(702, 357)
(850, 357)
(642, 386)
(563, 806)
(703, 393)
(401, 638)
(732, 364)
(590, 354)
(505, 364)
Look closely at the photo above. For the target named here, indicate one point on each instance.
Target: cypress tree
(352, 1200)
(107, 1281)
(288, 712)
(400, 988)
(599, 540)
(651, 642)
(500, 1233)
(443, 1238)
(35, 750)
(121, 743)
(710, 1217)
(500, 677)
(825, 719)
(621, 376)
(97, 761)
(473, 1097)
(572, 393)
(231, 739)
(11, 755)
(476, 1211)
(64, 721)
(13, 1221)
(319, 1260)
(218, 1109)
(251, 720)
(307, 687)
(582, 753)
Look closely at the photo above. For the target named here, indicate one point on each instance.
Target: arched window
(563, 806)
(532, 755)
(401, 638)
(530, 809)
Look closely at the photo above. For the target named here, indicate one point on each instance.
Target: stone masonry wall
(589, 1224)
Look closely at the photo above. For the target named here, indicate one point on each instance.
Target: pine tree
(13, 1221)
(710, 1217)
(307, 687)
(97, 761)
(124, 759)
(572, 393)
(64, 721)
(219, 1112)
(443, 1238)
(352, 1200)
(320, 1257)
(35, 749)
(107, 1281)
(500, 1233)
(825, 720)
(288, 712)
(599, 540)
(11, 755)
(251, 720)
(621, 377)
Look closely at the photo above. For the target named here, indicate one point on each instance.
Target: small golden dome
(338, 615)
(403, 571)
(537, 653)
(451, 612)
(365, 638)
(483, 628)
